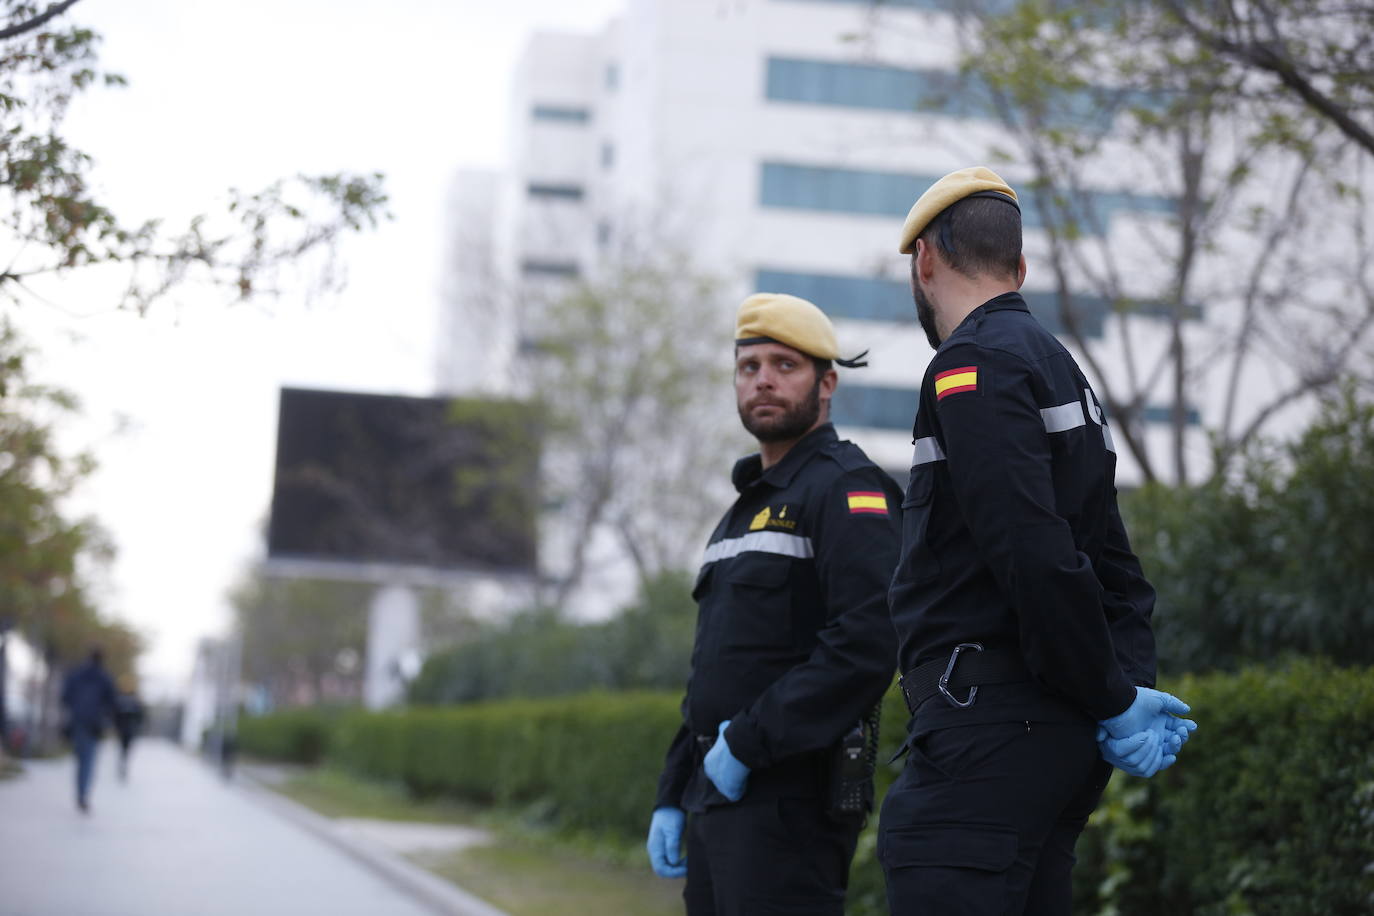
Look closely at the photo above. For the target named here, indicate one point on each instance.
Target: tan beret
(951, 189)
(789, 320)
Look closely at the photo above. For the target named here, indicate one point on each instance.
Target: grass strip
(528, 870)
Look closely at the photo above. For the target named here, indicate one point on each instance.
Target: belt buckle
(949, 671)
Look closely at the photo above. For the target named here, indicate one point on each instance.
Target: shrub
(1270, 810)
(538, 653)
(291, 735)
(1272, 559)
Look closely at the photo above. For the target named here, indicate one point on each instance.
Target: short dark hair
(976, 236)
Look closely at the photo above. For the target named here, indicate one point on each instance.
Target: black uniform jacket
(793, 643)
(1011, 536)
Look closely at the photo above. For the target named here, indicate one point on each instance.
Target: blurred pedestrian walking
(128, 721)
(88, 697)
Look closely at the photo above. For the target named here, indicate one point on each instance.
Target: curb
(441, 896)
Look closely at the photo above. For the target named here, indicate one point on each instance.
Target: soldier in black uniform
(1022, 615)
(794, 646)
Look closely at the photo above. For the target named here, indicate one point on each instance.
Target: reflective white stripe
(1069, 416)
(1063, 418)
(1095, 414)
(1094, 408)
(787, 545)
(927, 450)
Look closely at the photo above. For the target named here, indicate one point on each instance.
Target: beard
(792, 423)
(925, 314)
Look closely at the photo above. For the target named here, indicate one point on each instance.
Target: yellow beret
(951, 189)
(789, 320)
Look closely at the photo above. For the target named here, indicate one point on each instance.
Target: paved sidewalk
(176, 839)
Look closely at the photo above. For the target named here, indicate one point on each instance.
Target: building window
(942, 92)
(603, 233)
(872, 86)
(561, 114)
(1163, 413)
(839, 296)
(536, 268)
(612, 76)
(607, 154)
(875, 407)
(934, 6)
(571, 192)
(840, 190)
(868, 193)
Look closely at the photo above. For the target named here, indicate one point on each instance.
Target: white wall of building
(677, 130)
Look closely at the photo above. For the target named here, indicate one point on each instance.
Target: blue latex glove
(1142, 754)
(665, 843)
(1160, 734)
(1173, 732)
(727, 773)
(1183, 729)
(1144, 714)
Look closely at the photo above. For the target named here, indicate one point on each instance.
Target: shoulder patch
(956, 381)
(867, 502)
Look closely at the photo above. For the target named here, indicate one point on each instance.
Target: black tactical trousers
(772, 856)
(983, 819)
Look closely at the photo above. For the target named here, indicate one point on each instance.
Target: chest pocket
(918, 562)
(758, 614)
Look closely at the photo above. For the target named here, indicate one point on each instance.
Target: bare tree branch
(1268, 56)
(1263, 258)
(28, 25)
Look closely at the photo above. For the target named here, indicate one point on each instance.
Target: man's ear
(1020, 271)
(828, 383)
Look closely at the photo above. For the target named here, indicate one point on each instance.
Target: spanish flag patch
(864, 502)
(955, 381)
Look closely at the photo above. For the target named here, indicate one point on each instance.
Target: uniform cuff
(1118, 699)
(746, 743)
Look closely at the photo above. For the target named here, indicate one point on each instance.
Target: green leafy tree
(1274, 560)
(303, 640)
(538, 653)
(54, 224)
(1253, 209)
(1312, 54)
(47, 555)
(634, 386)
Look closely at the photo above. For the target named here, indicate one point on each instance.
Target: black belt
(967, 667)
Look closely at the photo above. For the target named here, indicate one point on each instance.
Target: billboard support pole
(393, 645)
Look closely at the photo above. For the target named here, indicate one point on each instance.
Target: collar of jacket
(749, 469)
(1011, 301)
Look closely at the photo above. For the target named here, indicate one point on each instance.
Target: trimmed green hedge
(592, 759)
(291, 735)
(1269, 811)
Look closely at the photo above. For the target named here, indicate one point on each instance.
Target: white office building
(766, 134)
(784, 140)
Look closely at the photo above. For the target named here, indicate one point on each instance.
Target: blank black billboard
(438, 482)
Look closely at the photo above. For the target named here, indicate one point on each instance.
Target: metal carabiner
(949, 670)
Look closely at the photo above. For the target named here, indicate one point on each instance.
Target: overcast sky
(180, 406)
